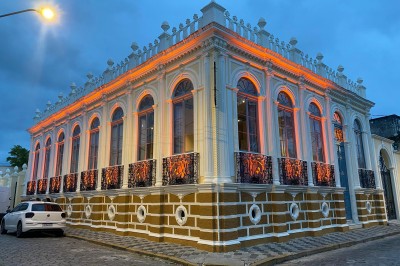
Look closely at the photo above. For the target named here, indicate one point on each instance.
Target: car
(32, 216)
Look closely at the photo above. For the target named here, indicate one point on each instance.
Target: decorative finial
(165, 26)
(320, 56)
(89, 75)
(110, 63)
(360, 80)
(293, 41)
(261, 23)
(340, 68)
(134, 46)
(73, 88)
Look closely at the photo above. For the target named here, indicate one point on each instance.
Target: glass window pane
(178, 127)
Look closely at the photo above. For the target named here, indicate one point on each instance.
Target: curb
(135, 250)
(297, 255)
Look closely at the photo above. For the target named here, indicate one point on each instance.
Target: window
(47, 150)
(146, 128)
(76, 136)
(183, 117)
(117, 126)
(359, 145)
(36, 161)
(338, 124)
(46, 207)
(94, 143)
(317, 144)
(247, 116)
(60, 153)
(286, 126)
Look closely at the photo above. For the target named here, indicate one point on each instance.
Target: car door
(11, 218)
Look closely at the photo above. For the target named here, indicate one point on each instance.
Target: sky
(39, 60)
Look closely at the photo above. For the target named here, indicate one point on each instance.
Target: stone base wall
(217, 218)
(371, 207)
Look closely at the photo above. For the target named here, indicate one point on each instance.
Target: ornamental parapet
(30, 187)
(292, 171)
(55, 184)
(70, 181)
(41, 186)
(142, 174)
(181, 169)
(111, 177)
(88, 180)
(367, 178)
(253, 168)
(323, 174)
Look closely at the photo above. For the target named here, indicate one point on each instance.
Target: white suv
(34, 216)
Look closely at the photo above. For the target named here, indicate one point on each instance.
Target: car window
(41, 207)
(23, 207)
(16, 208)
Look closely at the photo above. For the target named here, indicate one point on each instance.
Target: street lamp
(46, 13)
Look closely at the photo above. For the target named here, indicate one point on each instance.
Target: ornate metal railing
(292, 171)
(55, 184)
(30, 187)
(41, 186)
(111, 177)
(142, 174)
(323, 174)
(367, 178)
(70, 181)
(88, 180)
(181, 169)
(253, 168)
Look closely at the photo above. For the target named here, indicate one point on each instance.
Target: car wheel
(3, 229)
(19, 230)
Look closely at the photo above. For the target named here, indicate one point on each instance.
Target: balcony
(70, 181)
(292, 172)
(88, 180)
(323, 174)
(253, 168)
(30, 187)
(181, 169)
(55, 184)
(142, 174)
(367, 178)
(41, 186)
(111, 177)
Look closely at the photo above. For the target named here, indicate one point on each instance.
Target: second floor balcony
(292, 171)
(181, 169)
(55, 184)
(42, 186)
(88, 180)
(142, 174)
(323, 174)
(70, 181)
(253, 168)
(111, 177)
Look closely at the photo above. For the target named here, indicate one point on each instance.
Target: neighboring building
(217, 136)
(387, 127)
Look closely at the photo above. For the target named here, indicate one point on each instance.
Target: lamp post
(47, 13)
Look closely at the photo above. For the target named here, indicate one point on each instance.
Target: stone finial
(48, 104)
(7, 170)
(319, 57)
(165, 26)
(110, 62)
(293, 41)
(24, 167)
(340, 68)
(261, 23)
(134, 46)
(37, 111)
(360, 80)
(89, 75)
(73, 88)
(16, 169)
(60, 96)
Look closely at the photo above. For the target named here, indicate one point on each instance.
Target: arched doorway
(387, 186)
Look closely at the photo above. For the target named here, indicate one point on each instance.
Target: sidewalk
(265, 254)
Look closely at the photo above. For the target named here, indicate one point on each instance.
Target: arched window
(286, 126)
(117, 126)
(247, 115)
(36, 154)
(359, 145)
(94, 143)
(338, 124)
(76, 136)
(317, 143)
(60, 153)
(47, 150)
(183, 117)
(146, 128)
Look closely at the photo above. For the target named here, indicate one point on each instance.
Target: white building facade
(216, 136)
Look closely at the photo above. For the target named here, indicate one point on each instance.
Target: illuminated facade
(216, 136)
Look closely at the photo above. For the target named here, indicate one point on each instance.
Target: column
(373, 157)
(162, 121)
(103, 141)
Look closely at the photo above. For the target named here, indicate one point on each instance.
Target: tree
(18, 156)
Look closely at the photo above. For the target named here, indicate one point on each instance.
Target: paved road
(41, 249)
(384, 251)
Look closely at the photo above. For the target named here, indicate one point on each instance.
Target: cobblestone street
(379, 252)
(40, 249)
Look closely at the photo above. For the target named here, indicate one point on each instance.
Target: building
(216, 136)
(387, 127)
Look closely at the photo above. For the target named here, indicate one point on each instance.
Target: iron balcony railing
(323, 174)
(367, 178)
(292, 171)
(55, 184)
(30, 187)
(142, 174)
(181, 169)
(253, 168)
(111, 177)
(88, 180)
(41, 186)
(70, 181)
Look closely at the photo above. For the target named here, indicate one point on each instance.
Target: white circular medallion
(294, 211)
(181, 215)
(325, 209)
(141, 213)
(88, 211)
(368, 206)
(111, 212)
(255, 214)
(69, 210)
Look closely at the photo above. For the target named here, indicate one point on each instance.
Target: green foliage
(18, 156)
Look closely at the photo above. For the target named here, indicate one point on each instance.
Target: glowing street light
(47, 13)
